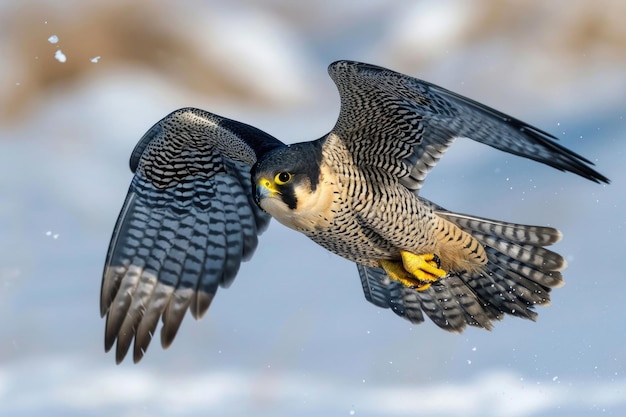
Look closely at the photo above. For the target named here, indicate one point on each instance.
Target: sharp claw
(437, 260)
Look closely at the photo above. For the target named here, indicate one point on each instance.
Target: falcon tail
(518, 274)
(520, 271)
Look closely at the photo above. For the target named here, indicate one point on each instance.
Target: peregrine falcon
(205, 187)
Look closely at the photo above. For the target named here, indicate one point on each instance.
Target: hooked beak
(265, 188)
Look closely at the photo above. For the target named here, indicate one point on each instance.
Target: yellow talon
(415, 271)
(423, 267)
(396, 272)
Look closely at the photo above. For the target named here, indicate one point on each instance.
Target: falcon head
(286, 184)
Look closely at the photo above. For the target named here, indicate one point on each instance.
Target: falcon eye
(283, 178)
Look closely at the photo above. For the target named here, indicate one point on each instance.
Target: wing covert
(187, 223)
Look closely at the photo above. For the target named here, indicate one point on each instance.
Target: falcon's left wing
(404, 125)
(188, 221)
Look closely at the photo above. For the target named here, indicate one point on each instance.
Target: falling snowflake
(60, 56)
(54, 236)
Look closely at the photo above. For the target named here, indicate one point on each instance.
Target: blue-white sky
(294, 334)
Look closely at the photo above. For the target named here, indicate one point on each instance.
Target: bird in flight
(206, 186)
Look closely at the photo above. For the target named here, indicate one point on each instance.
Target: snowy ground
(294, 335)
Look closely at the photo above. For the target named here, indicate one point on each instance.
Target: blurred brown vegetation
(134, 34)
(578, 29)
(153, 35)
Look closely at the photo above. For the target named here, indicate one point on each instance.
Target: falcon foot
(415, 271)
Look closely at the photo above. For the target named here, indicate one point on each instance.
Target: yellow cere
(264, 182)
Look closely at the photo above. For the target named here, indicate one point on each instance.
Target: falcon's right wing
(188, 221)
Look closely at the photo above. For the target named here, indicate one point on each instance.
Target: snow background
(294, 335)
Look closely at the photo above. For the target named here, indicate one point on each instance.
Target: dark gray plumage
(193, 210)
(187, 223)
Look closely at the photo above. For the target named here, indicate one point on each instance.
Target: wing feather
(404, 125)
(187, 223)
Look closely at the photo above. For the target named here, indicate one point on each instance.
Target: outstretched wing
(188, 221)
(404, 125)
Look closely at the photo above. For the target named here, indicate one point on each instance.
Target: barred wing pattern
(188, 221)
(404, 125)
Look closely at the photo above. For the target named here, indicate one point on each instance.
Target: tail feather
(542, 275)
(522, 245)
(529, 254)
(446, 307)
(514, 233)
(457, 306)
(518, 274)
(492, 290)
(507, 291)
